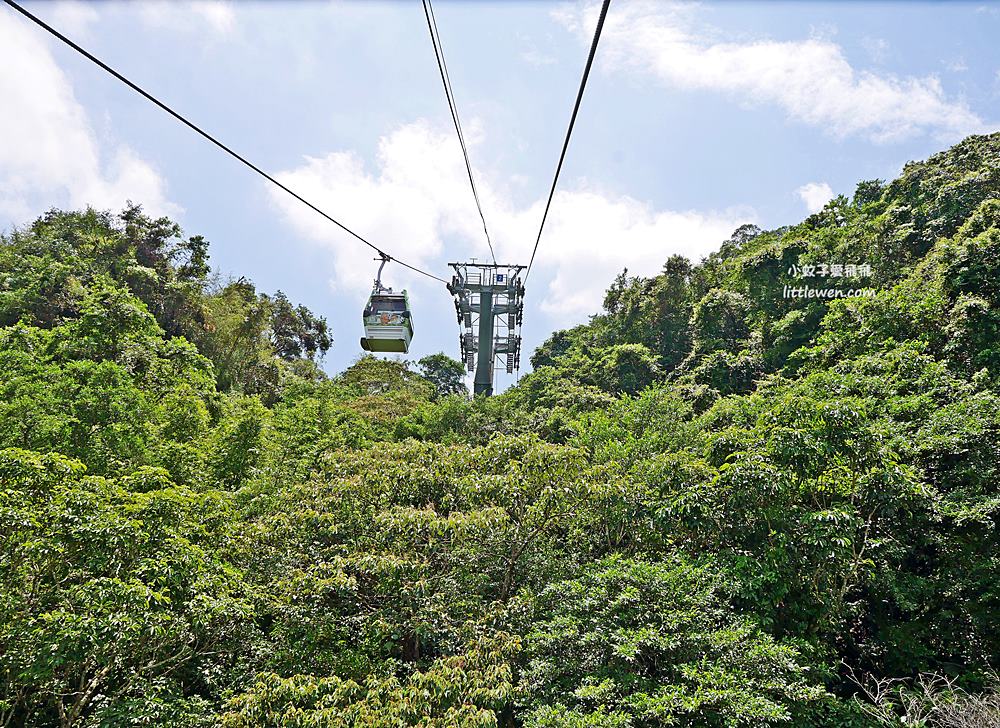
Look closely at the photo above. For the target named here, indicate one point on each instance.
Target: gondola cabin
(388, 322)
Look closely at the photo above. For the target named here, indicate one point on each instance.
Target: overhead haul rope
(569, 131)
(91, 57)
(453, 108)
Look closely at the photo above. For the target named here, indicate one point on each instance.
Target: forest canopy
(712, 505)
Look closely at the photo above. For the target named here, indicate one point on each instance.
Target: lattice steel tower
(489, 301)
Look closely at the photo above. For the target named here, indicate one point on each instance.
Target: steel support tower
(489, 301)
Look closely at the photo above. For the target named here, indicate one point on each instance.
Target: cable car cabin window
(388, 304)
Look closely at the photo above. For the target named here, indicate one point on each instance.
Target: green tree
(446, 374)
(109, 600)
(654, 644)
(296, 332)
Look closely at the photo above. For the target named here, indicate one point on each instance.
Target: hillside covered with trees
(715, 504)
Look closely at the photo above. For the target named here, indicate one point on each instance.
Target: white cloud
(418, 205)
(590, 237)
(49, 155)
(815, 195)
(217, 16)
(73, 17)
(419, 194)
(877, 48)
(810, 79)
(534, 57)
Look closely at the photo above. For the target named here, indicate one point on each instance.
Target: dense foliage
(712, 505)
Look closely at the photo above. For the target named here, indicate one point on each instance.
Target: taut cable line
(191, 125)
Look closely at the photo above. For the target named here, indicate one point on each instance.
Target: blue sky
(698, 117)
